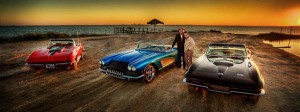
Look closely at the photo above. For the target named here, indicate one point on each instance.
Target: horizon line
(151, 25)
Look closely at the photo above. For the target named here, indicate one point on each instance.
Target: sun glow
(97, 12)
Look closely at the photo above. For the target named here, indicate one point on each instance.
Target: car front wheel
(150, 72)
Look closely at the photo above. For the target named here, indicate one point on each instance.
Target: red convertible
(59, 53)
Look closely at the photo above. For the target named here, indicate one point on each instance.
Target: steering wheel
(156, 49)
(169, 48)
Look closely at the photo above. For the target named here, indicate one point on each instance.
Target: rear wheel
(82, 56)
(150, 72)
(74, 66)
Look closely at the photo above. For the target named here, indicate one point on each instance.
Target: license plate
(220, 88)
(50, 66)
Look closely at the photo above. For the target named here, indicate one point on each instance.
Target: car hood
(223, 72)
(48, 55)
(134, 56)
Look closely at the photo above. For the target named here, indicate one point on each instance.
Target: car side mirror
(249, 53)
(202, 51)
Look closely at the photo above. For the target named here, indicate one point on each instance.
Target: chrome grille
(118, 65)
(115, 73)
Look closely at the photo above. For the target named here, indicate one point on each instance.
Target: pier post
(291, 30)
(143, 31)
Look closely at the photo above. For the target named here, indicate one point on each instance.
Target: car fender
(255, 73)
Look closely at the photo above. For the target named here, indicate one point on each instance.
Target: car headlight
(129, 68)
(101, 62)
(133, 68)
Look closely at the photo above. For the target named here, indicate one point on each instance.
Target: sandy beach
(87, 89)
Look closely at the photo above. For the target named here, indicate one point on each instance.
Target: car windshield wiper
(224, 59)
(213, 56)
(235, 57)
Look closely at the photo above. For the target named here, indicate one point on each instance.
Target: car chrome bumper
(262, 91)
(42, 65)
(120, 75)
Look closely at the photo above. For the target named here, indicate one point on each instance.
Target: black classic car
(226, 68)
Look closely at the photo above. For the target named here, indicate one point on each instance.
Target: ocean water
(12, 31)
(293, 43)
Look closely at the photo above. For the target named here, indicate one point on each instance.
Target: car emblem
(238, 74)
(220, 74)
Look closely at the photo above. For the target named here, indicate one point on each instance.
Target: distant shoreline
(272, 36)
(14, 31)
(50, 35)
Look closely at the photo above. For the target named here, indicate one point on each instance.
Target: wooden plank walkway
(132, 30)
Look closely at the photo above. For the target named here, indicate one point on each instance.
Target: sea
(289, 45)
(13, 31)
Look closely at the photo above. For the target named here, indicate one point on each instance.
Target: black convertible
(226, 68)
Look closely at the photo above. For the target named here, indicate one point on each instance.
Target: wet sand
(87, 89)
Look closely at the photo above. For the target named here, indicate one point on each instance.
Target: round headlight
(102, 62)
(129, 68)
(133, 68)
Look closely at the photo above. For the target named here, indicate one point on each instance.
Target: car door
(168, 58)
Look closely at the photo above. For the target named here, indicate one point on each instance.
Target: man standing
(179, 39)
(188, 49)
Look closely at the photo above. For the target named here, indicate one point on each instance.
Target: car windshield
(55, 43)
(233, 54)
(156, 46)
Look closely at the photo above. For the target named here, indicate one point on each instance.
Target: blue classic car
(144, 62)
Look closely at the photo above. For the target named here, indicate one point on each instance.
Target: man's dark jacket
(180, 42)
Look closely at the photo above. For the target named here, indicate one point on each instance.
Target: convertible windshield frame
(151, 45)
(235, 53)
(61, 42)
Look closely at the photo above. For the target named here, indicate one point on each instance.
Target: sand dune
(87, 89)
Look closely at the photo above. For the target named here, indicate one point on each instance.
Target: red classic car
(59, 53)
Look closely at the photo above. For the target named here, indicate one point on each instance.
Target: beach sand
(87, 89)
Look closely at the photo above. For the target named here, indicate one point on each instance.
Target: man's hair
(185, 32)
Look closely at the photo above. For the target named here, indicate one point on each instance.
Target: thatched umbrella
(154, 22)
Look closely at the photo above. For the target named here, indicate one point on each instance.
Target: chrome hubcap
(150, 72)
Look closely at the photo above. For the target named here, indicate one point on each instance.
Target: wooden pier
(132, 30)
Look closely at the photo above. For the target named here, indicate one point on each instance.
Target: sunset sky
(171, 12)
